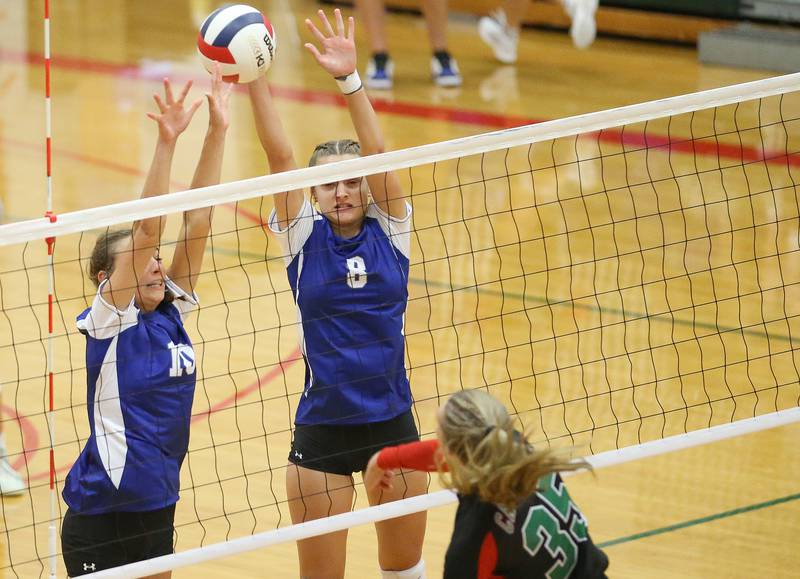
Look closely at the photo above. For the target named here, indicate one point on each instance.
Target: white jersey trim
(301, 333)
(104, 320)
(109, 425)
(397, 230)
(294, 237)
(184, 302)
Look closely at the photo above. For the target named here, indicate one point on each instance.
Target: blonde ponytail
(487, 456)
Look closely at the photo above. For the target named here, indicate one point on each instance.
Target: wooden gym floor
(723, 510)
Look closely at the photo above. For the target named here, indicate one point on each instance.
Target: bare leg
(400, 540)
(444, 69)
(380, 68)
(314, 495)
(436, 18)
(372, 15)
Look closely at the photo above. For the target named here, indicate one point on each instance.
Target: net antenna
(50, 240)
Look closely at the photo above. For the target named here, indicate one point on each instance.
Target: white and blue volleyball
(241, 39)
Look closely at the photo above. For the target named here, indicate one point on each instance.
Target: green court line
(625, 314)
(526, 298)
(700, 521)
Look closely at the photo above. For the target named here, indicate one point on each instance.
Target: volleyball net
(616, 279)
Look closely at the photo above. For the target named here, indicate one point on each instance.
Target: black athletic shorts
(92, 543)
(345, 449)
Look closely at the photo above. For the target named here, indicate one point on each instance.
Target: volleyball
(241, 39)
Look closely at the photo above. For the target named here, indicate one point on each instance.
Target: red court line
(113, 166)
(246, 213)
(30, 437)
(705, 146)
(309, 96)
(407, 109)
(279, 369)
(424, 111)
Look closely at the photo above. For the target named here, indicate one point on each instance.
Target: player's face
(150, 291)
(343, 203)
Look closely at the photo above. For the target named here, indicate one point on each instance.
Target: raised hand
(172, 117)
(218, 113)
(338, 50)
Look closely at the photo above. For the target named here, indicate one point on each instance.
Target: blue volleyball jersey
(351, 296)
(140, 387)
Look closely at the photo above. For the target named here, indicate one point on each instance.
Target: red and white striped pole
(53, 527)
(48, 128)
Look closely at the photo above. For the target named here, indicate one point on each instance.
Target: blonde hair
(340, 147)
(487, 456)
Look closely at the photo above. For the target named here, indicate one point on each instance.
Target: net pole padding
(125, 212)
(437, 499)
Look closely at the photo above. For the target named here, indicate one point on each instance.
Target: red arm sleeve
(417, 455)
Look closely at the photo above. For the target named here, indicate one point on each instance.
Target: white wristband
(350, 83)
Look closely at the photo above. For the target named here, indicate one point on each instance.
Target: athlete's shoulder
(80, 321)
(83, 314)
(473, 507)
(398, 231)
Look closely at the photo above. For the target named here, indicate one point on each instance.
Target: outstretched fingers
(218, 99)
(326, 23)
(333, 51)
(193, 107)
(315, 31)
(168, 91)
(159, 103)
(220, 95)
(173, 116)
(339, 22)
(169, 97)
(313, 50)
(184, 92)
(219, 88)
(226, 88)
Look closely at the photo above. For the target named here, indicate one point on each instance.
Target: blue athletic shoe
(380, 72)
(444, 70)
